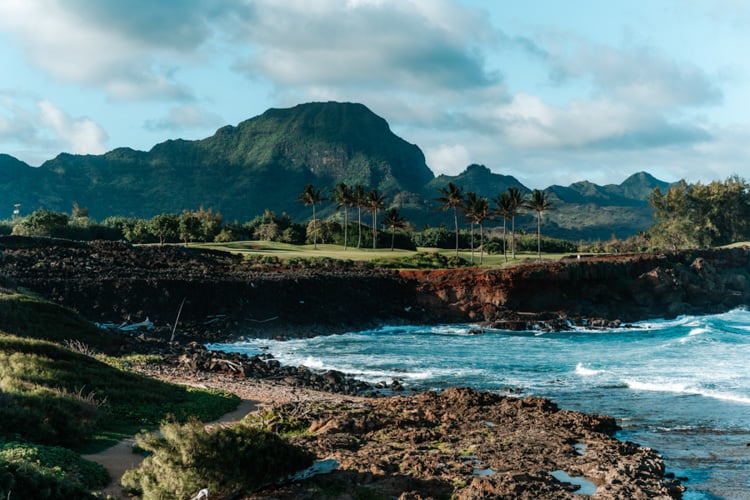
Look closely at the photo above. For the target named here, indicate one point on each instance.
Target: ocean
(680, 386)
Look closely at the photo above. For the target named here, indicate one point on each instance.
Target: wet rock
(438, 445)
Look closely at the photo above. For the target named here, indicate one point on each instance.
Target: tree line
(352, 203)
(701, 215)
(686, 216)
(476, 210)
(507, 206)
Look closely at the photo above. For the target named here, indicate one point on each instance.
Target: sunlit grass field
(287, 251)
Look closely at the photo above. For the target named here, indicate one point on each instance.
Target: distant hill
(614, 209)
(264, 162)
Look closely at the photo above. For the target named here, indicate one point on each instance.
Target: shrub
(441, 237)
(528, 243)
(227, 461)
(423, 260)
(43, 472)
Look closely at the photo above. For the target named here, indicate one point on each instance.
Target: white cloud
(128, 49)
(636, 75)
(406, 46)
(83, 135)
(35, 130)
(186, 117)
(447, 159)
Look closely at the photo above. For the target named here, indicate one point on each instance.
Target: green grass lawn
(287, 251)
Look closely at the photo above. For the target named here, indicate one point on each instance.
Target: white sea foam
(694, 332)
(638, 385)
(586, 372)
(726, 396)
(681, 388)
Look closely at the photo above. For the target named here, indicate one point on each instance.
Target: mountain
(479, 179)
(261, 163)
(264, 162)
(613, 209)
(582, 210)
(641, 185)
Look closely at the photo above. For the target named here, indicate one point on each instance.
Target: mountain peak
(640, 185)
(479, 179)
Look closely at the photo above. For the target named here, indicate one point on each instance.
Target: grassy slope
(52, 396)
(38, 368)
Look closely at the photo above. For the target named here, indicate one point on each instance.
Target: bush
(423, 260)
(441, 237)
(42, 472)
(528, 243)
(227, 461)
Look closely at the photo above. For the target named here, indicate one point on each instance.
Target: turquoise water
(680, 386)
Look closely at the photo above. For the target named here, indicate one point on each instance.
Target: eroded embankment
(226, 295)
(592, 290)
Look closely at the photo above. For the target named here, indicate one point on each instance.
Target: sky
(549, 91)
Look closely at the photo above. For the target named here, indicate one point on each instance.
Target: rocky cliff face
(227, 295)
(593, 290)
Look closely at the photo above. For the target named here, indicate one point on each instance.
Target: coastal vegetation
(701, 215)
(185, 458)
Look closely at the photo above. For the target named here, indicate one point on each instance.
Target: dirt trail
(120, 457)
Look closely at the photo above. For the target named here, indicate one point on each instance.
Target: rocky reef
(466, 444)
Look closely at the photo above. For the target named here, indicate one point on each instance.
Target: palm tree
(477, 209)
(540, 203)
(359, 201)
(504, 210)
(451, 198)
(393, 219)
(515, 204)
(312, 196)
(344, 198)
(468, 207)
(375, 202)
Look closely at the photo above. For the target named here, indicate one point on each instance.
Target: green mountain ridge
(264, 162)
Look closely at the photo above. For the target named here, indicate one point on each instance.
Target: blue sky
(549, 91)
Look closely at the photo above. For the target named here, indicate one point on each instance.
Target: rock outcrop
(466, 444)
(593, 291)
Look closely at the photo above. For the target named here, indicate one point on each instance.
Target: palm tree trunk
(472, 242)
(513, 237)
(455, 224)
(374, 229)
(481, 244)
(393, 237)
(359, 226)
(505, 239)
(539, 235)
(315, 230)
(346, 226)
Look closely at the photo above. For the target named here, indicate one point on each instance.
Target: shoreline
(458, 441)
(521, 439)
